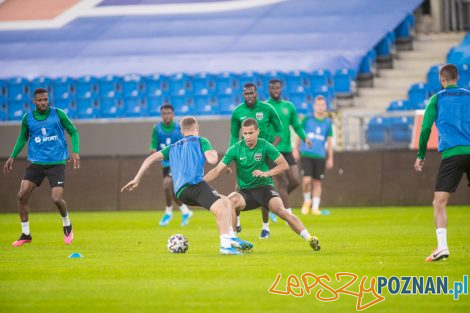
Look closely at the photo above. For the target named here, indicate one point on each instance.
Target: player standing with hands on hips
(450, 109)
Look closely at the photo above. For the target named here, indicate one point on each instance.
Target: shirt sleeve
(234, 129)
(330, 131)
(429, 117)
(166, 153)
(22, 138)
(295, 122)
(71, 130)
(274, 119)
(206, 145)
(272, 152)
(229, 156)
(154, 141)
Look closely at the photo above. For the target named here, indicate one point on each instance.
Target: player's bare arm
(215, 172)
(329, 161)
(8, 165)
(211, 156)
(295, 150)
(133, 184)
(281, 166)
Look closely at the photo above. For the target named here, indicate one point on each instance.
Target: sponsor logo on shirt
(243, 117)
(259, 116)
(38, 139)
(258, 156)
(316, 136)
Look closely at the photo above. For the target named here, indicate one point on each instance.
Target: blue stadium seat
(154, 104)
(401, 129)
(464, 74)
(157, 85)
(88, 108)
(16, 109)
(227, 103)
(110, 86)
(343, 82)
(180, 84)
(135, 107)
(376, 133)
(385, 48)
(86, 87)
(296, 81)
(250, 77)
(404, 30)
(433, 79)
(41, 82)
(302, 102)
(3, 88)
(319, 78)
(398, 105)
(205, 105)
(183, 104)
(132, 85)
(203, 84)
(3, 109)
(18, 88)
(368, 63)
(63, 88)
(418, 94)
(67, 105)
(226, 83)
(111, 107)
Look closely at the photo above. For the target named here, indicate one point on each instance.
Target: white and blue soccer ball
(177, 243)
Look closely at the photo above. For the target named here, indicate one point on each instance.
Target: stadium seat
(464, 74)
(318, 79)
(404, 31)
(135, 107)
(18, 88)
(63, 88)
(225, 83)
(377, 129)
(16, 109)
(205, 105)
(183, 104)
(111, 107)
(344, 83)
(154, 104)
(110, 86)
(87, 108)
(398, 105)
(67, 105)
(203, 84)
(3, 109)
(227, 103)
(132, 85)
(180, 84)
(401, 129)
(433, 79)
(86, 87)
(301, 101)
(250, 77)
(296, 81)
(3, 88)
(157, 85)
(41, 82)
(418, 94)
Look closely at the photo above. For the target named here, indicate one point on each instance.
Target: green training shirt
(249, 160)
(289, 117)
(23, 137)
(429, 118)
(263, 113)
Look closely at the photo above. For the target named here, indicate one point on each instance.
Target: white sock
(307, 196)
(305, 234)
(184, 209)
(316, 203)
(66, 220)
(238, 220)
(265, 226)
(289, 210)
(231, 233)
(169, 210)
(225, 241)
(441, 238)
(25, 228)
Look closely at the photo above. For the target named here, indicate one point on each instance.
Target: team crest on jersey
(44, 131)
(258, 156)
(259, 116)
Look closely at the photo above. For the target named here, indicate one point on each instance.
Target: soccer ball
(177, 243)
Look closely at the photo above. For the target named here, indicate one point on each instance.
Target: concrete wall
(358, 179)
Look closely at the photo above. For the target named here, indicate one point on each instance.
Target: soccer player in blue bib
(163, 135)
(43, 130)
(450, 109)
(319, 130)
(187, 157)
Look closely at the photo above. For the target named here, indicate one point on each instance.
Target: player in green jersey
(269, 126)
(287, 181)
(255, 185)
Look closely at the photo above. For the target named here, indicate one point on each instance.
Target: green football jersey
(264, 113)
(249, 160)
(289, 117)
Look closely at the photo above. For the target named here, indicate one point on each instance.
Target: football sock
(184, 209)
(225, 241)
(25, 228)
(231, 233)
(238, 220)
(265, 226)
(169, 210)
(441, 238)
(316, 203)
(307, 196)
(305, 234)
(66, 220)
(289, 210)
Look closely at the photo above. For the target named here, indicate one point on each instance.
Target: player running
(450, 109)
(163, 135)
(43, 130)
(251, 156)
(187, 157)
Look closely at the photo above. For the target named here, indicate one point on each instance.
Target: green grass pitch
(127, 268)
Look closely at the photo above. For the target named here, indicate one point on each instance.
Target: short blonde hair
(188, 123)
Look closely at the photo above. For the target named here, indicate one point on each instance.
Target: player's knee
(166, 183)
(439, 202)
(22, 198)
(57, 199)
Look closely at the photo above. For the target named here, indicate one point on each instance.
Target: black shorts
(166, 171)
(258, 197)
(313, 167)
(55, 174)
(200, 194)
(451, 171)
(289, 158)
